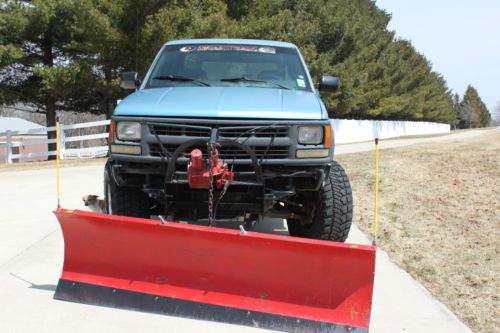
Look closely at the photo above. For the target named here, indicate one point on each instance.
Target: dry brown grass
(440, 219)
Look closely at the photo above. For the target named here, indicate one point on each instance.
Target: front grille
(180, 131)
(258, 133)
(227, 153)
(244, 132)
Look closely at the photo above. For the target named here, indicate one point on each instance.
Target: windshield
(229, 65)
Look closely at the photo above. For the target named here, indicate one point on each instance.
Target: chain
(211, 154)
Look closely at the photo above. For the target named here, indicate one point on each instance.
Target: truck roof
(232, 41)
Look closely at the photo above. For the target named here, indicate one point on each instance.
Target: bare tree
(67, 117)
(467, 114)
(495, 115)
(24, 112)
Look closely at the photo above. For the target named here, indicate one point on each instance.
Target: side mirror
(329, 83)
(130, 81)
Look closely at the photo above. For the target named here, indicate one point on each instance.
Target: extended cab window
(229, 65)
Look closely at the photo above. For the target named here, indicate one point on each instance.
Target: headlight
(310, 135)
(128, 131)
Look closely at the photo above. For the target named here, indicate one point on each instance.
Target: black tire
(332, 209)
(124, 200)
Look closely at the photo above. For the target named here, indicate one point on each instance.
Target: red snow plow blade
(254, 279)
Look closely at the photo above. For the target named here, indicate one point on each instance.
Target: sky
(461, 38)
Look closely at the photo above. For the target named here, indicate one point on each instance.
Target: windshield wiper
(173, 77)
(246, 79)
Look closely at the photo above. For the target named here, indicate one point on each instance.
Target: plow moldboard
(261, 280)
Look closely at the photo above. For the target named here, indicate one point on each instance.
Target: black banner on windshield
(228, 47)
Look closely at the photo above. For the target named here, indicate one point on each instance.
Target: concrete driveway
(31, 256)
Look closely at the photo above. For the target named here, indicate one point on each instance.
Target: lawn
(439, 219)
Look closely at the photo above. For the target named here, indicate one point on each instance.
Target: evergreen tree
(125, 50)
(182, 20)
(129, 18)
(382, 78)
(68, 54)
(48, 55)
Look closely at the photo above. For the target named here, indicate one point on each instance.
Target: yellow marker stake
(58, 182)
(375, 223)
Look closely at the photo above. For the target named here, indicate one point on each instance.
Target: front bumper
(172, 132)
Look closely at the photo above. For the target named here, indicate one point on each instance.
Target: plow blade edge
(261, 280)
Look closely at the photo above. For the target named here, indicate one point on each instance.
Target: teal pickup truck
(228, 130)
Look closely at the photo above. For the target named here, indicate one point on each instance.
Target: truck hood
(223, 102)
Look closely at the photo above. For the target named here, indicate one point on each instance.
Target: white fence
(9, 142)
(347, 130)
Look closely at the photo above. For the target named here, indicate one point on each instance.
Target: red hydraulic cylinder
(197, 162)
(198, 171)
